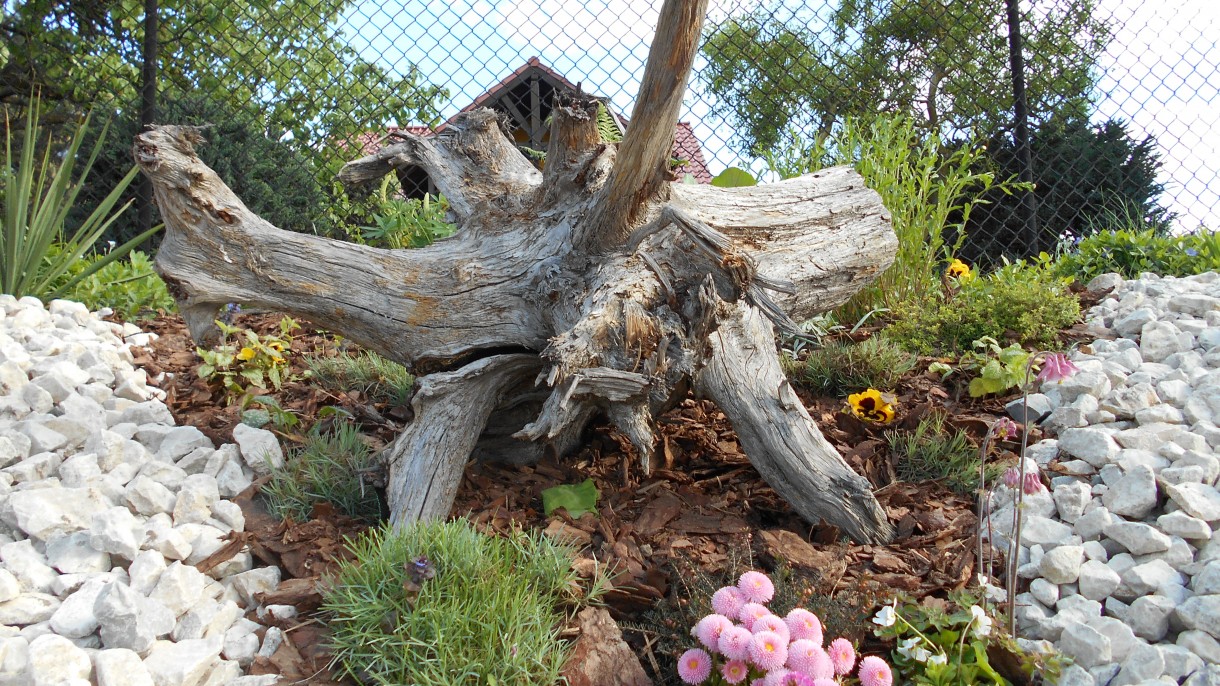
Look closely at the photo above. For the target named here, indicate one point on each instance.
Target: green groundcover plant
(1131, 252)
(441, 603)
(332, 467)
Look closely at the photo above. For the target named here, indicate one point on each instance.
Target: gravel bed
(105, 507)
(1121, 554)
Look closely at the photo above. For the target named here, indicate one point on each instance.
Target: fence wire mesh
(1123, 123)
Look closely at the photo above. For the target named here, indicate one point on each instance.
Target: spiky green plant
(935, 451)
(38, 195)
(382, 380)
(330, 468)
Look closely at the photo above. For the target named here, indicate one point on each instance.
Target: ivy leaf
(577, 500)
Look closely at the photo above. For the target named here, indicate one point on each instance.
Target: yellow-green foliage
(130, 287)
(1019, 303)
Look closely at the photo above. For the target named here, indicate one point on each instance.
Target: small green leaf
(577, 500)
(255, 418)
(734, 177)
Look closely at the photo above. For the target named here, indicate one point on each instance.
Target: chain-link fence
(1114, 119)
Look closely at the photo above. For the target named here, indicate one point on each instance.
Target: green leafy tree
(285, 60)
(943, 63)
(270, 176)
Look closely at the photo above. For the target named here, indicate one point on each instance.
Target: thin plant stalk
(983, 452)
(1014, 545)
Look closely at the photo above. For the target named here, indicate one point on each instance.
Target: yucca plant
(37, 196)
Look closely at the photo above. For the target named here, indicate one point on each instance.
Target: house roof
(686, 145)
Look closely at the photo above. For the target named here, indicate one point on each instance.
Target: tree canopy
(943, 63)
(283, 61)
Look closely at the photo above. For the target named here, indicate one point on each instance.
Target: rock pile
(1121, 554)
(105, 507)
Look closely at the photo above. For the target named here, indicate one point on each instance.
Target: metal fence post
(148, 107)
(1016, 60)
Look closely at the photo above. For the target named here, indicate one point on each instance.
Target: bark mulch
(702, 508)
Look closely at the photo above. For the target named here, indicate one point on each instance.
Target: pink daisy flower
(694, 666)
(709, 628)
(735, 643)
(752, 612)
(807, 657)
(804, 624)
(875, 672)
(756, 587)
(842, 655)
(759, 682)
(825, 682)
(773, 624)
(796, 679)
(735, 671)
(728, 601)
(776, 677)
(768, 651)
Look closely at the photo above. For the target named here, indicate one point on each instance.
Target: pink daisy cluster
(744, 643)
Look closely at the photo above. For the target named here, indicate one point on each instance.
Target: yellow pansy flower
(873, 406)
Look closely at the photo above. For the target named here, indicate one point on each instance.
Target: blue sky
(469, 45)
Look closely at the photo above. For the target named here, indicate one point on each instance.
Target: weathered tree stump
(597, 286)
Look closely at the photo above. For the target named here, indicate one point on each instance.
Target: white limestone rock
(1182, 524)
(1087, 646)
(1061, 565)
(72, 554)
(54, 661)
(1149, 617)
(1134, 495)
(28, 608)
(184, 663)
(114, 531)
(1137, 537)
(1201, 612)
(179, 587)
(1199, 500)
(1094, 446)
(1096, 581)
(47, 513)
(259, 448)
(120, 667)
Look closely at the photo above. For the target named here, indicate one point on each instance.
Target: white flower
(910, 649)
(886, 616)
(981, 620)
(937, 659)
(983, 580)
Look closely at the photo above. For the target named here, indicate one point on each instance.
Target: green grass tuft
(840, 367)
(382, 380)
(491, 615)
(329, 468)
(934, 451)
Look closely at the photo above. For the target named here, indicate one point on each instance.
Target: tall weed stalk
(929, 190)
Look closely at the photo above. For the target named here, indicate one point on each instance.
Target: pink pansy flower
(768, 651)
(755, 587)
(694, 666)
(772, 623)
(735, 642)
(735, 671)
(842, 655)
(804, 624)
(709, 628)
(875, 672)
(752, 612)
(728, 601)
(1056, 367)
